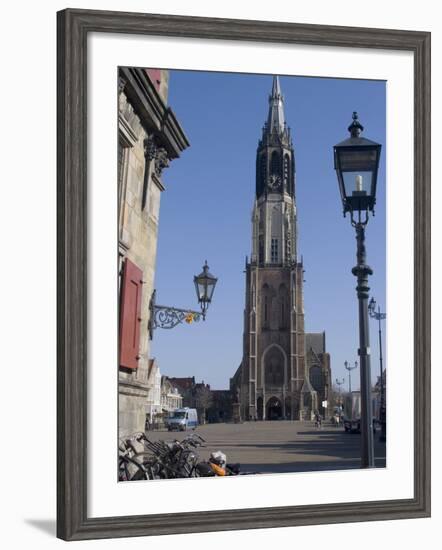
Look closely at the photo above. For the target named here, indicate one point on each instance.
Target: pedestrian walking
(318, 420)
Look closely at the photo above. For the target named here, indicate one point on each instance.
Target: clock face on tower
(274, 182)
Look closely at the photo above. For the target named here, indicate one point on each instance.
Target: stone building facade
(186, 386)
(319, 371)
(171, 398)
(150, 137)
(273, 380)
(220, 409)
(153, 403)
(196, 395)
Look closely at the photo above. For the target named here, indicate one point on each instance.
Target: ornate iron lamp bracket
(169, 317)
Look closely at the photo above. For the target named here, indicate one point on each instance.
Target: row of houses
(166, 394)
(211, 405)
(162, 398)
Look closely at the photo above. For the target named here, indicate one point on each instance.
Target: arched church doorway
(259, 407)
(274, 409)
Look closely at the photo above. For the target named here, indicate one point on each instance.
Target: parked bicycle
(140, 458)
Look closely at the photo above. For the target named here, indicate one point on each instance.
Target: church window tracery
(286, 171)
(263, 171)
(261, 249)
(274, 368)
(288, 247)
(274, 251)
(275, 166)
(283, 310)
(317, 378)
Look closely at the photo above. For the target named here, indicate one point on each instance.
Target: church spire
(276, 118)
(275, 162)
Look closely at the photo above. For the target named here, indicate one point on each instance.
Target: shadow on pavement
(282, 447)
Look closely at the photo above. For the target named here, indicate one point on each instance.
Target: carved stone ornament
(121, 84)
(161, 161)
(150, 148)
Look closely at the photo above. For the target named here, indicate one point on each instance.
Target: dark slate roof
(184, 383)
(315, 341)
(276, 119)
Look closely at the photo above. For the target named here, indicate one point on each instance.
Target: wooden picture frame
(73, 28)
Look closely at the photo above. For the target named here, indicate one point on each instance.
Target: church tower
(272, 381)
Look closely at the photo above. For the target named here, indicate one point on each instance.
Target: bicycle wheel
(131, 469)
(150, 465)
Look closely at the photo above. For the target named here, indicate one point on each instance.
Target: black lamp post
(356, 164)
(382, 409)
(339, 383)
(347, 366)
(170, 317)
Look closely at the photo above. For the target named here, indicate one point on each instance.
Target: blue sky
(206, 214)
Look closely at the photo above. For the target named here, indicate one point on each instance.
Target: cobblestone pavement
(282, 446)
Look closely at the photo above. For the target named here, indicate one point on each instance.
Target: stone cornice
(127, 136)
(158, 182)
(134, 384)
(154, 114)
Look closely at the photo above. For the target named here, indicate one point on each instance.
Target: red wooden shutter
(155, 76)
(130, 315)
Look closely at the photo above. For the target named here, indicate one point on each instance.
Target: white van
(182, 419)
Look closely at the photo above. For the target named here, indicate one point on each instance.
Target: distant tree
(203, 401)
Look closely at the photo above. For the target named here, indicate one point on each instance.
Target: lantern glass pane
(210, 289)
(202, 290)
(357, 181)
(358, 160)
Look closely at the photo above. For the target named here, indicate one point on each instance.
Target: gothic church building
(274, 380)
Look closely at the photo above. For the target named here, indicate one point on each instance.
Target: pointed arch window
(262, 172)
(283, 309)
(261, 249)
(288, 247)
(274, 251)
(286, 171)
(274, 368)
(275, 164)
(266, 294)
(317, 378)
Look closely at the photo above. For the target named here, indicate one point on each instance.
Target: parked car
(182, 419)
(352, 412)
(352, 425)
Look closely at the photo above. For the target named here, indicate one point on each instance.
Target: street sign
(324, 404)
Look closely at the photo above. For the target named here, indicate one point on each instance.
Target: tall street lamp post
(170, 317)
(347, 366)
(339, 384)
(382, 409)
(356, 163)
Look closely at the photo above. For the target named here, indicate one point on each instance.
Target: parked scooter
(217, 465)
